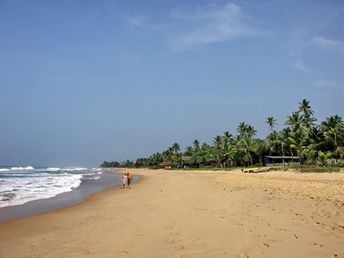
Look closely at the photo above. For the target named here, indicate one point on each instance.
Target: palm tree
(196, 144)
(296, 140)
(314, 148)
(193, 153)
(188, 151)
(333, 129)
(308, 113)
(305, 108)
(246, 129)
(251, 131)
(245, 150)
(206, 154)
(295, 121)
(274, 143)
(175, 147)
(218, 150)
(241, 128)
(259, 149)
(271, 121)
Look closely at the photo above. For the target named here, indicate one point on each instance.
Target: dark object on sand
(255, 170)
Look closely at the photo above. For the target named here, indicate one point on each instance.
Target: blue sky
(87, 81)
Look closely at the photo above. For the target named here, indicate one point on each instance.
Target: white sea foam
(16, 191)
(53, 169)
(72, 169)
(22, 168)
(23, 184)
(97, 177)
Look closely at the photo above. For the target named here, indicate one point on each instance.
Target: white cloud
(301, 67)
(327, 43)
(135, 20)
(211, 25)
(322, 41)
(328, 84)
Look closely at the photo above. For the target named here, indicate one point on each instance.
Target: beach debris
(125, 252)
(256, 170)
(243, 255)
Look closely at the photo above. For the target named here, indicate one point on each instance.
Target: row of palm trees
(320, 144)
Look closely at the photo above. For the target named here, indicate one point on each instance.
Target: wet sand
(193, 214)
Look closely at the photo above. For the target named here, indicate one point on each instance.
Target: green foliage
(317, 146)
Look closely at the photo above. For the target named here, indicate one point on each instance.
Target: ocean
(19, 185)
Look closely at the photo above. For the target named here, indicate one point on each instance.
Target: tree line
(315, 144)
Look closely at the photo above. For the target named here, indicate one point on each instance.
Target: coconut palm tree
(295, 121)
(246, 130)
(206, 154)
(175, 148)
(241, 129)
(271, 121)
(333, 129)
(308, 113)
(305, 107)
(296, 140)
(218, 153)
(245, 149)
(196, 145)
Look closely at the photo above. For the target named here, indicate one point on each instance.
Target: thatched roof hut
(166, 165)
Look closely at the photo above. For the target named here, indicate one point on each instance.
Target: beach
(192, 214)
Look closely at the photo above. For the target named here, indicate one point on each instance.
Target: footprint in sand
(125, 252)
(243, 255)
(281, 229)
(266, 244)
(179, 247)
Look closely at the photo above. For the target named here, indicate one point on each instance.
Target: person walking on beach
(125, 180)
(129, 178)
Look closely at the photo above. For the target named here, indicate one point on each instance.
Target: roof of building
(282, 157)
(165, 164)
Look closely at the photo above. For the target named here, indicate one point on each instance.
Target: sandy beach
(192, 214)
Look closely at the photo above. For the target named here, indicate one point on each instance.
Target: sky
(86, 81)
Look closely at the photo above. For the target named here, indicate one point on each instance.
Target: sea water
(19, 185)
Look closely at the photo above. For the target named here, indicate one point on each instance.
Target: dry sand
(193, 214)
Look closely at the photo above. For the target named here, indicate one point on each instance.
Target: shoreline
(174, 214)
(87, 188)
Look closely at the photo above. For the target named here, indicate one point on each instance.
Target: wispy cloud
(301, 67)
(210, 25)
(328, 84)
(135, 20)
(327, 43)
